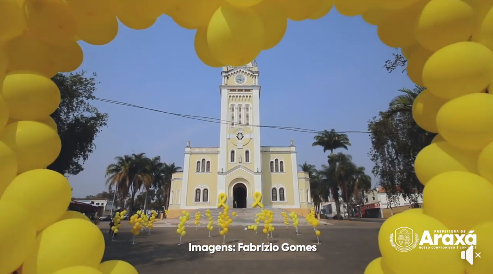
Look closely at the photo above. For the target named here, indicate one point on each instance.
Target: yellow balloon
(323, 9)
(275, 23)
(94, 10)
(4, 112)
(444, 22)
(317, 233)
(135, 14)
(117, 267)
(352, 7)
(12, 20)
(406, 52)
(30, 96)
(374, 267)
(440, 195)
(40, 190)
(244, 3)
(69, 214)
(442, 157)
(485, 162)
(459, 69)
(17, 236)
(47, 121)
(438, 138)
(78, 270)
(4, 62)
(414, 210)
(71, 56)
(425, 109)
(29, 54)
(203, 51)
(8, 168)
(430, 260)
(35, 144)
(183, 233)
(400, 4)
(99, 32)
(485, 246)
(50, 122)
(235, 36)
(396, 28)
(64, 244)
(50, 20)
(485, 30)
(194, 14)
(467, 122)
(299, 10)
(415, 64)
(374, 15)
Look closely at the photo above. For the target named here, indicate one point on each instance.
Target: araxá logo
(405, 239)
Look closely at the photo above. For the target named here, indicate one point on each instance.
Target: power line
(219, 121)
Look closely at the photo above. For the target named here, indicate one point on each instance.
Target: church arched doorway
(239, 196)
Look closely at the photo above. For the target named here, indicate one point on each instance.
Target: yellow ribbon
(257, 196)
(222, 200)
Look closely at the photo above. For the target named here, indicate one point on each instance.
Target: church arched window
(281, 194)
(197, 195)
(198, 167)
(247, 156)
(202, 167)
(232, 156)
(281, 166)
(208, 166)
(232, 114)
(271, 166)
(276, 165)
(205, 195)
(171, 197)
(247, 115)
(240, 110)
(274, 194)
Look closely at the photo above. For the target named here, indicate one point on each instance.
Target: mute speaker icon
(468, 255)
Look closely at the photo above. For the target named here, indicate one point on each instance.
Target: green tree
(169, 170)
(141, 176)
(340, 171)
(396, 141)
(78, 121)
(119, 177)
(331, 140)
(319, 189)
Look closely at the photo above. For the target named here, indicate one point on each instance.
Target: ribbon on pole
(257, 196)
(222, 198)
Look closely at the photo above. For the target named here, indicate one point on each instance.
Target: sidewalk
(372, 220)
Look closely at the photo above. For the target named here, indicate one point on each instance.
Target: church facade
(240, 168)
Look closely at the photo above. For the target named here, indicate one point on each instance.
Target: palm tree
(331, 140)
(156, 168)
(168, 171)
(118, 176)
(341, 170)
(308, 168)
(404, 103)
(361, 184)
(141, 176)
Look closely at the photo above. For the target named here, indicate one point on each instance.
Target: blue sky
(325, 74)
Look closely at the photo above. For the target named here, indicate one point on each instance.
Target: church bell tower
(240, 116)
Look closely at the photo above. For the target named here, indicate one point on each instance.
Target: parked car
(105, 218)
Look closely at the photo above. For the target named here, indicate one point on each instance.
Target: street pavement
(346, 248)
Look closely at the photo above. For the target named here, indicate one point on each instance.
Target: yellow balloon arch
(448, 44)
